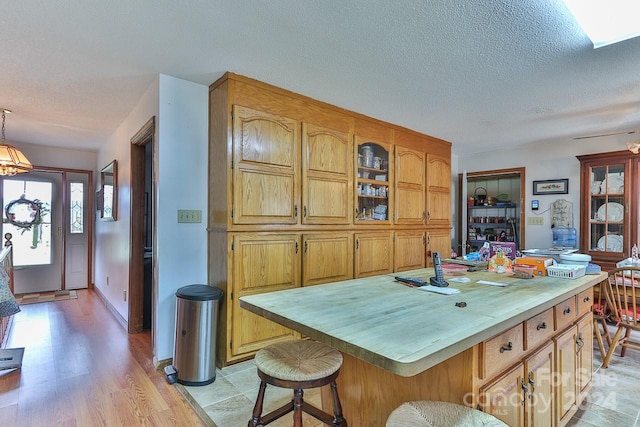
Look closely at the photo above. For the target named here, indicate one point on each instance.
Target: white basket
(566, 271)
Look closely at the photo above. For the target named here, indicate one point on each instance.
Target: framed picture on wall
(551, 186)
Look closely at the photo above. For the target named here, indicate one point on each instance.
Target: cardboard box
(508, 249)
(540, 264)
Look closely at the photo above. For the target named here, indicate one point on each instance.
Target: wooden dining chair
(600, 314)
(622, 291)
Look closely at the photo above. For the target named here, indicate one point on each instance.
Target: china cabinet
(608, 206)
(302, 193)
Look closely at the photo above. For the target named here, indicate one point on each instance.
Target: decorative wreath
(24, 213)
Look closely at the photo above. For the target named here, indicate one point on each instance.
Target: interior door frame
(462, 198)
(146, 135)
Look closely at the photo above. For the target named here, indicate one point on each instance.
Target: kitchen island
(401, 343)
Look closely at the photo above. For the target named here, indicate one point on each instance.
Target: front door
(33, 215)
(47, 214)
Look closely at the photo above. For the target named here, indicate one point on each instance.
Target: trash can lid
(199, 293)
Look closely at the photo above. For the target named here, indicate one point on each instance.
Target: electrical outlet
(535, 220)
(124, 294)
(192, 216)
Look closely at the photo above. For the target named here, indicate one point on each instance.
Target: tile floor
(228, 402)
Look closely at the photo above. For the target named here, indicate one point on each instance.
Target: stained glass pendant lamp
(12, 161)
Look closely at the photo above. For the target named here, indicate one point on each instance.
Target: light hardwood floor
(81, 368)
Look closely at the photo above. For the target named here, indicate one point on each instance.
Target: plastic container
(564, 237)
(523, 271)
(567, 271)
(194, 354)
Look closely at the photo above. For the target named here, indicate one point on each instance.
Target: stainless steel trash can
(194, 351)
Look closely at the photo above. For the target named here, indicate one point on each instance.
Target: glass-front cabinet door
(605, 207)
(373, 181)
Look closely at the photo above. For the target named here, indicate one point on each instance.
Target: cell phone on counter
(437, 266)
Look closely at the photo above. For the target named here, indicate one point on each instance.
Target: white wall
(182, 184)
(42, 155)
(181, 110)
(542, 160)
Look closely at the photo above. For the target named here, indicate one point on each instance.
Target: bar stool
(298, 365)
(427, 413)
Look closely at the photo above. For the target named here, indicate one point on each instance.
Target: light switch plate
(189, 216)
(535, 220)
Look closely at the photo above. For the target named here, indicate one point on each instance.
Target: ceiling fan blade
(630, 132)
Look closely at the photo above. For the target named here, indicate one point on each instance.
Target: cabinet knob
(567, 310)
(542, 325)
(586, 299)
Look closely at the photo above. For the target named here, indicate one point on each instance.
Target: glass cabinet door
(372, 182)
(608, 218)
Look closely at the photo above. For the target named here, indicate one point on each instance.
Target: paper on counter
(439, 290)
(486, 282)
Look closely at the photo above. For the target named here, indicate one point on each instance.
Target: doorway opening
(142, 286)
(492, 208)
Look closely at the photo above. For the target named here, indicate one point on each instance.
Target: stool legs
(297, 407)
(338, 421)
(257, 409)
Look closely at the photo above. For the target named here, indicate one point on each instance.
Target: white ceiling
(482, 74)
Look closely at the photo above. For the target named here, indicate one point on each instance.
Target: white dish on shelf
(614, 184)
(612, 212)
(613, 243)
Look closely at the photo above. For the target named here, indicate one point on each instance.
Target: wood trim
(145, 135)
(497, 172)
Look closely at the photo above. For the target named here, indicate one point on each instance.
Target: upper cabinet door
(410, 187)
(265, 168)
(326, 174)
(438, 190)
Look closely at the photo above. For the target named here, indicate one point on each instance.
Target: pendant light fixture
(12, 161)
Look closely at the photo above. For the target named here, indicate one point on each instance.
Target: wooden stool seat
(298, 365)
(427, 413)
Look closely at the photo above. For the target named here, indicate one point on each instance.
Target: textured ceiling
(483, 74)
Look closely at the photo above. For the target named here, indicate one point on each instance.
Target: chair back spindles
(621, 293)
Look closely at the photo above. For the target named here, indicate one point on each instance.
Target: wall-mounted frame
(551, 186)
(108, 205)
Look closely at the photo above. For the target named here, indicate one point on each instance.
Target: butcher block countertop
(406, 330)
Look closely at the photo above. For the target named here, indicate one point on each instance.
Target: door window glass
(76, 214)
(32, 243)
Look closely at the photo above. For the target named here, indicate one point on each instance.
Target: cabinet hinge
(231, 114)
(231, 344)
(231, 295)
(231, 164)
(232, 213)
(232, 247)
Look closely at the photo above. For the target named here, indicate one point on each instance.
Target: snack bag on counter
(485, 252)
(500, 263)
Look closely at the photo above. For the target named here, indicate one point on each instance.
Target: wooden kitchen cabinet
(438, 241)
(327, 183)
(291, 202)
(261, 263)
(504, 398)
(410, 187)
(584, 355)
(438, 190)
(374, 253)
(326, 257)
(566, 350)
(409, 250)
(266, 171)
(539, 382)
